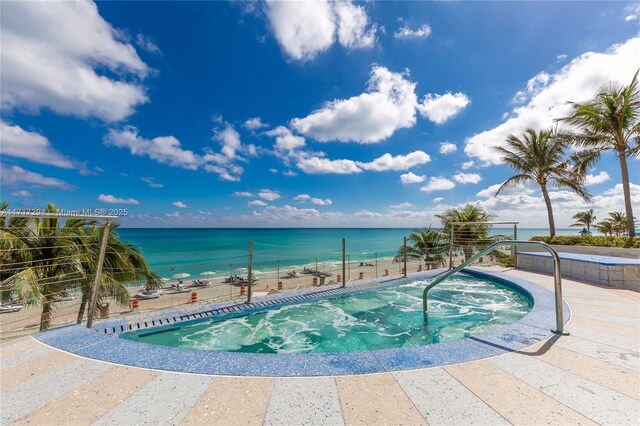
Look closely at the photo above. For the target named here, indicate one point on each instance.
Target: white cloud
(151, 182)
(20, 143)
(399, 162)
(257, 203)
(577, 81)
(317, 165)
(303, 198)
(410, 177)
(22, 194)
(15, 175)
(388, 105)
(285, 140)
(168, 150)
(448, 148)
(633, 12)
(180, 204)
(596, 179)
(465, 178)
(254, 123)
(306, 28)
(401, 206)
(467, 165)
(290, 173)
(110, 199)
(148, 44)
(366, 213)
(490, 192)
(438, 184)
(438, 200)
(242, 194)
(269, 195)
(561, 57)
(353, 27)
(50, 54)
(406, 32)
(441, 108)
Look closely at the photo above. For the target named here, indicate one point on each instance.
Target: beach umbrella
(181, 275)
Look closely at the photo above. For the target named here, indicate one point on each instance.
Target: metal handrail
(557, 279)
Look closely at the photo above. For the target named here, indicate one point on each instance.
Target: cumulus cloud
(467, 165)
(465, 178)
(399, 162)
(438, 184)
(388, 105)
(632, 12)
(448, 148)
(110, 199)
(285, 140)
(15, 175)
(151, 182)
(180, 204)
(168, 150)
(242, 194)
(269, 195)
(402, 206)
(46, 64)
(318, 165)
(148, 44)
(20, 143)
(254, 123)
(407, 32)
(305, 29)
(257, 203)
(410, 177)
(303, 198)
(545, 96)
(441, 108)
(596, 179)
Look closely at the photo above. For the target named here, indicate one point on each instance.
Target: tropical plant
(586, 219)
(467, 235)
(50, 257)
(540, 157)
(605, 227)
(609, 122)
(427, 244)
(618, 222)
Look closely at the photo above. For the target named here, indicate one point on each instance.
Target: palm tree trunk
(83, 304)
(627, 193)
(547, 201)
(45, 317)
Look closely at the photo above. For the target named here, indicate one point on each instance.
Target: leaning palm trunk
(631, 226)
(547, 201)
(83, 306)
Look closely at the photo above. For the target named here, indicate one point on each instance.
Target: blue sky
(298, 114)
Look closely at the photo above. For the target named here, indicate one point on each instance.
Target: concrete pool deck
(589, 377)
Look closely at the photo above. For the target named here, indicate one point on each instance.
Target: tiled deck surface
(589, 377)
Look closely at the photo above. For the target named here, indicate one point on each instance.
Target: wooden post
(96, 282)
(344, 275)
(249, 290)
(405, 257)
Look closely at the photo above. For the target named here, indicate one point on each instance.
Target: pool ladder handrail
(557, 279)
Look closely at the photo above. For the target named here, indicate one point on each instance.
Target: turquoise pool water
(378, 319)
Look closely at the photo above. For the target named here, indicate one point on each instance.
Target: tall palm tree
(52, 257)
(467, 236)
(540, 157)
(618, 222)
(605, 227)
(585, 219)
(610, 122)
(426, 244)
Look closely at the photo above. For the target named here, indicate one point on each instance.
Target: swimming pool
(384, 318)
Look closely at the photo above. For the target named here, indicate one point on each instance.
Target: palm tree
(609, 122)
(585, 219)
(540, 157)
(426, 244)
(618, 222)
(605, 227)
(469, 235)
(49, 257)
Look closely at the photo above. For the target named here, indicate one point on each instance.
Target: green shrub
(505, 260)
(600, 241)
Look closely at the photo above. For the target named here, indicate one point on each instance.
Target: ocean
(217, 252)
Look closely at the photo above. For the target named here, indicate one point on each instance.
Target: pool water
(384, 318)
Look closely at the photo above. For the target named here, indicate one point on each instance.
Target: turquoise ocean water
(172, 251)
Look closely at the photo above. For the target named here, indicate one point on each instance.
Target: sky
(299, 114)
